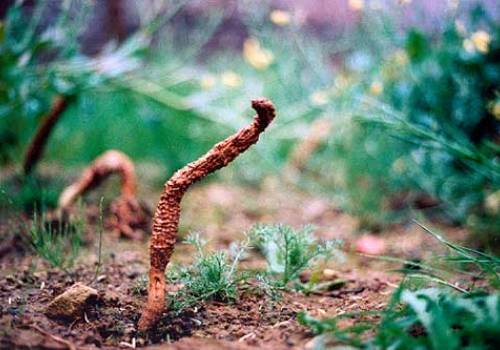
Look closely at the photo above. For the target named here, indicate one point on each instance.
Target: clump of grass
(426, 318)
(59, 244)
(462, 258)
(459, 260)
(289, 252)
(212, 276)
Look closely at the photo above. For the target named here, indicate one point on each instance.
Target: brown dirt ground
(221, 213)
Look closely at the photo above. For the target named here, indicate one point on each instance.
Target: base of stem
(155, 305)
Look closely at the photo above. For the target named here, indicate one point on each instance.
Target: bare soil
(221, 213)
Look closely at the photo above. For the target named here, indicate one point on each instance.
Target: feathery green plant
(211, 276)
(289, 252)
(217, 275)
(59, 245)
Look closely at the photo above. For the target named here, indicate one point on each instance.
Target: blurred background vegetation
(385, 107)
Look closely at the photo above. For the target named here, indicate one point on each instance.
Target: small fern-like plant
(216, 276)
(211, 276)
(289, 252)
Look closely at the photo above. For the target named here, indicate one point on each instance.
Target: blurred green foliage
(435, 95)
(26, 73)
(443, 95)
(414, 112)
(425, 317)
(439, 97)
(40, 57)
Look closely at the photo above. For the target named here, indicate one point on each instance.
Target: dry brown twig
(129, 216)
(38, 142)
(166, 218)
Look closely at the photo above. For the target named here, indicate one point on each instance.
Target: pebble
(72, 303)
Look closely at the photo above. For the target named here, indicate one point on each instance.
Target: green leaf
(416, 45)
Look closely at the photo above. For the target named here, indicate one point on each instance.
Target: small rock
(330, 285)
(329, 274)
(72, 303)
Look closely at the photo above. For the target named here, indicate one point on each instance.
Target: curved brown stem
(110, 162)
(166, 218)
(129, 216)
(37, 145)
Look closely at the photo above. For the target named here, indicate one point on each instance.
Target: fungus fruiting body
(129, 216)
(37, 145)
(166, 218)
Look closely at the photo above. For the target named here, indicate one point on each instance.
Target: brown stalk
(110, 162)
(166, 218)
(129, 216)
(37, 145)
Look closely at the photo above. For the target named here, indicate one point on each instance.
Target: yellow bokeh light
(255, 55)
(356, 4)
(231, 79)
(280, 17)
(481, 41)
(208, 81)
(376, 88)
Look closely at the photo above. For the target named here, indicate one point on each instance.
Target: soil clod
(72, 303)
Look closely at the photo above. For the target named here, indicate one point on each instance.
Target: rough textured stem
(37, 145)
(166, 218)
